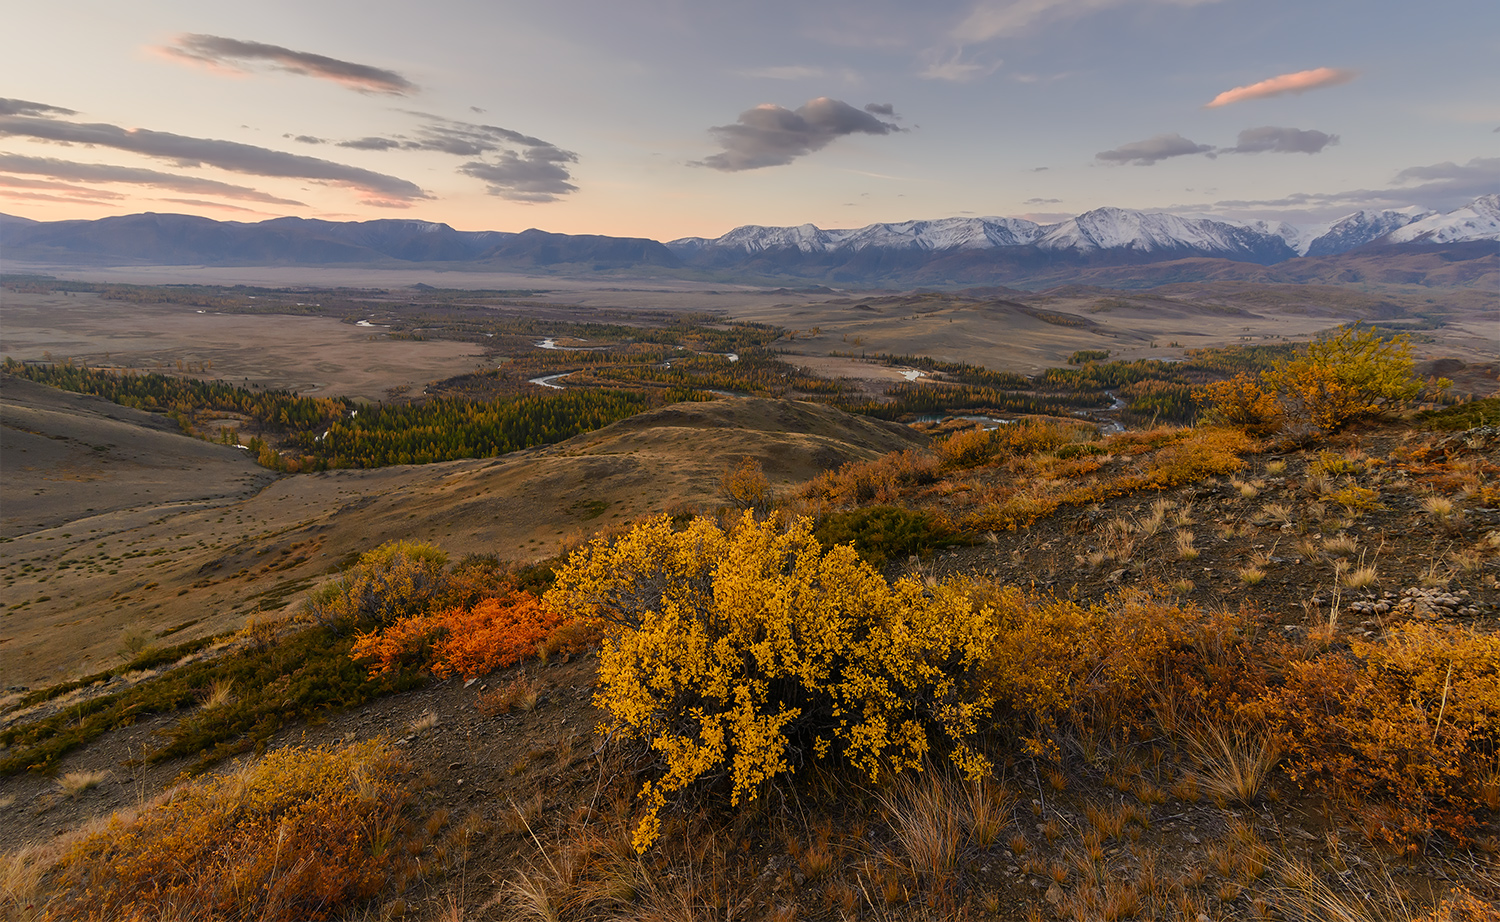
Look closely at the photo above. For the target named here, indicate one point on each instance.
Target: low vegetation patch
(301, 834)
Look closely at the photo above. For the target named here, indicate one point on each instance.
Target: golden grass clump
(298, 835)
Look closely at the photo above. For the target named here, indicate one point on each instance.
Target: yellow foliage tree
(746, 486)
(1350, 375)
(751, 650)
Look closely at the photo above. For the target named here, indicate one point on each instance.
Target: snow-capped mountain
(1478, 220)
(1105, 242)
(1139, 232)
(945, 234)
(942, 234)
(1101, 229)
(1358, 229)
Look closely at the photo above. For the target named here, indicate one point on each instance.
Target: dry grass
(75, 783)
(989, 810)
(21, 872)
(1234, 762)
(1250, 576)
(1360, 577)
(926, 814)
(1438, 507)
(1340, 545)
(220, 693)
(1183, 539)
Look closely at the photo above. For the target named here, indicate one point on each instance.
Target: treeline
(757, 371)
(915, 399)
(958, 372)
(277, 410)
(449, 429)
(314, 434)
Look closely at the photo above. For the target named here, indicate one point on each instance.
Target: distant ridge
(1107, 245)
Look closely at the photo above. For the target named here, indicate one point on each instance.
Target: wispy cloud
(230, 156)
(1153, 150)
(1270, 139)
(1439, 187)
(999, 18)
(952, 66)
(22, 107)
(1300, 82)
(523, 168)
(801, 72)
(772, 135)
(231, 53)
(69, 171)
(61, 188)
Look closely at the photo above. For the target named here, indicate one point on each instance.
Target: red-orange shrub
(472, 641)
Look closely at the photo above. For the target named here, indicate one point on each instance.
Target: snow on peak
(1124, 229)
(1356, 230)
(1478, 220)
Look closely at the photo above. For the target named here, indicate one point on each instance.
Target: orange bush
(472, 641)
(1407, 727)
(491, 635)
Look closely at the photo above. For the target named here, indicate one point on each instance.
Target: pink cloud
(1300, 82)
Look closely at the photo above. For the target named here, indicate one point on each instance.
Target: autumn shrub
(1244, 401)
(882, 480)
(1409, 722)
(748, 651)
(968, 448)
(467, 641)
(1341, 378)
(746, 486)
(397, 580)
(303, 834)
(881, 533)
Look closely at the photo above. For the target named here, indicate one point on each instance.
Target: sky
(671, 118)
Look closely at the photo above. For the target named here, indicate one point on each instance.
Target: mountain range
(949, 250)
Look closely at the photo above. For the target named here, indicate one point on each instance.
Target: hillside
(203, 551)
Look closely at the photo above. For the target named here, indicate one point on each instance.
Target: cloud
(62, 188)
(785, 72)
(953, 68)
(306, 139)
(231, 156)
(217, 51)
(1281, 141)
(771, 135)
(1300, 82)
(22, 107)
(1042, 201)
(526, 169)
(67, 170)
(1438, 187)
(199, 203)
(999, 18)
(535, 175)
(44, 197)
(881, 108)
(1151, 150)
(450, 136)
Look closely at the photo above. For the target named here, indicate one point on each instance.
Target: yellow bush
(1242, 401)
(300, 835)
(746, 651)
